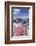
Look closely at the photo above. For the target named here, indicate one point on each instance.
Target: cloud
(16, 11)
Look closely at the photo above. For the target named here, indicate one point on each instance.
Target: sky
(20, 11)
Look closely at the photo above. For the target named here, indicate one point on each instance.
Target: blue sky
(20, 11)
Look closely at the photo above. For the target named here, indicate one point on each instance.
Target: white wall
(2, 24)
